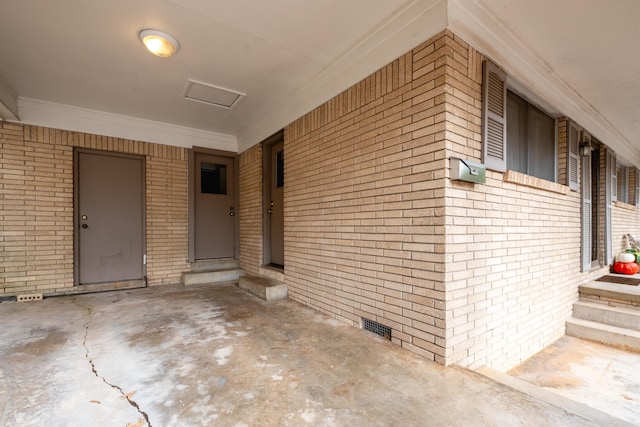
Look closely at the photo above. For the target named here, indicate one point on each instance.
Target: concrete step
(211, 276)
(623, 317)
(264, 287)
(611, 292)
(215, 264)
(624, 338)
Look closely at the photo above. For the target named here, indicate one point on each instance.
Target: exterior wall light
(585, 148)
(159, 43)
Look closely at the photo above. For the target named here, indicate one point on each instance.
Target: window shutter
(494, 117)
(610, 191)
(573, 156)
(586, 213)
(636, 192)
(614, 177)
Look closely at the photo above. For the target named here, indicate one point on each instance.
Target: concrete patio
(215, 355)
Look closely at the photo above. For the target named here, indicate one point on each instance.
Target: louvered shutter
(494, 117)
(636, 191)
(609, 194)
(573, 156)
(586, 213)
(614, 177)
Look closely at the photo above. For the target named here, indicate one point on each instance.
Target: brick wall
(514, 243)
(467, 274)
(36, 218)
(250, 212)
(625, 219)
(364, 205)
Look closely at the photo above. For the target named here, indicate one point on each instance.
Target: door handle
(231, 211)
(269, 211)
(85, 226)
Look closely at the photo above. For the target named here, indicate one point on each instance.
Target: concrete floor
(602, 377)
(211, 355)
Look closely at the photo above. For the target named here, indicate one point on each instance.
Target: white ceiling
(288, 56)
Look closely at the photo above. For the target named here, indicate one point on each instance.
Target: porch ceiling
(579, 56)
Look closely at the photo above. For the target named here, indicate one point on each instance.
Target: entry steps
(212, 271)
(608, 313)
(264, 287)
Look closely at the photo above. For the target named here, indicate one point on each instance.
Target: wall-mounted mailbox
(466, 170)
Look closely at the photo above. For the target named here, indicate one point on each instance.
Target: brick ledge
(626, 206)
(532, 181)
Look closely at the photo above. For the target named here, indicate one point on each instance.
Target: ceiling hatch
(211, 94)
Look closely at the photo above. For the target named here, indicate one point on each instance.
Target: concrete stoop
(613, 320)
(264, 287)
(213, 271)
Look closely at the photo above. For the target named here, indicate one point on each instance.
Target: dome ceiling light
(159, 43)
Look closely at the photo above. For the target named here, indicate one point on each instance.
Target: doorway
(591, 209)
(213, 233)
(274, 200)
(109, 217)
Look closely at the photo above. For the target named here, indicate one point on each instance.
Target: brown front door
(275, 201)
(109, 217)
(214, 210)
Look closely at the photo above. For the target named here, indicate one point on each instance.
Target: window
(279, 169)
(213, 178)
(519, 136)
(622, 172)
(530, 139)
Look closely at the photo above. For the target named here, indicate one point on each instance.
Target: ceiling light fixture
(159, 43)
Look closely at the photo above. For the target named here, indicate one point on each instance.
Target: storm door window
(530, 139)
(213, 178)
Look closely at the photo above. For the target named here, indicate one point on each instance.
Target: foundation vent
(376, 328)
(29, 297)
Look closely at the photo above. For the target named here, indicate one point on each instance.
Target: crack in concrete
(131, 402)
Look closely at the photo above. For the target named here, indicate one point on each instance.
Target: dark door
(275, 209)
(110, 218)
(214, 212)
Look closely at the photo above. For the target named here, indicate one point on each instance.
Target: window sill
(532, 181)
(624, 205)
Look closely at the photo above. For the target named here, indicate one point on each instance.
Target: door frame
(76, 206)
(191, 155)
(267, 175)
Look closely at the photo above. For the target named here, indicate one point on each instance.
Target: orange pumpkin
(626, 267)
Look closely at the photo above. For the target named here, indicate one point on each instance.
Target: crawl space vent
(212, 95)
(376, 328)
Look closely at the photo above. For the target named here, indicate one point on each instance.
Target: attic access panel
(212, 95)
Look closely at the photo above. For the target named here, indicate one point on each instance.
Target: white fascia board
(407, 28)
(60, 116)
(481, 28)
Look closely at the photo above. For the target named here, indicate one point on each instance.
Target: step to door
(622, 317)
(604, 291)
(211, 276)
(263, 287)
(215, 264)
(624, 338)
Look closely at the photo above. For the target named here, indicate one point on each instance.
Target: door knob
(270, 211)
(231, 211)
(85, 226)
